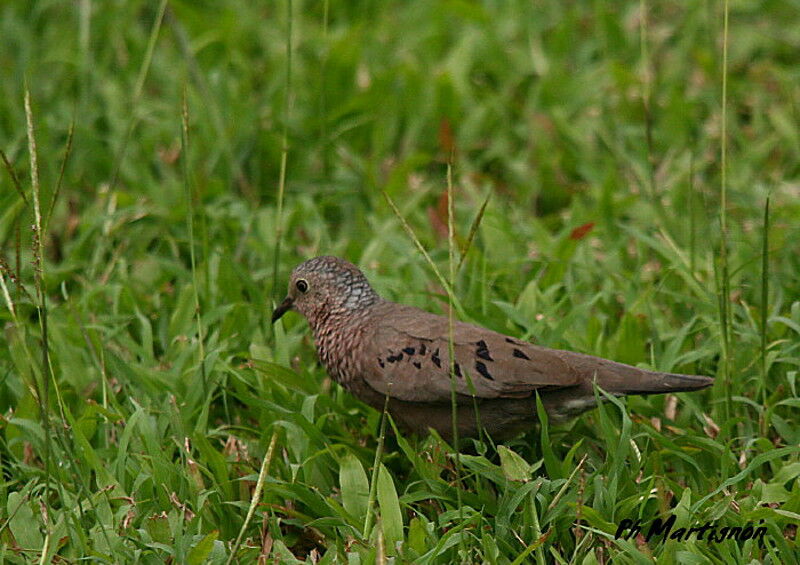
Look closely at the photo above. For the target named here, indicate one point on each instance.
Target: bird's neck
(339, 335)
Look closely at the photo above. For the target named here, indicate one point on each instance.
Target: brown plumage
(377, 349)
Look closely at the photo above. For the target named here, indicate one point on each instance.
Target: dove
(394, 355)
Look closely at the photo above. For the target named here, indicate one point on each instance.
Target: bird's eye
(302, 285)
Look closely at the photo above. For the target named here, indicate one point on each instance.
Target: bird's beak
(282, 308)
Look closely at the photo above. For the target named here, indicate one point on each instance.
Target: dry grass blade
(32, 154)
(137, 90)
(187, 183)
(373, 485)
(724, 275)
(9, 302)
(764, 311)
(284, 154)
(563, 489)
(41, 302)
(262, 477)
(14, 179)
(446, 285)
(473, 229)
(59, 183)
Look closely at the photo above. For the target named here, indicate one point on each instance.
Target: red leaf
(438, 216)
(581, 231)
(446, 139)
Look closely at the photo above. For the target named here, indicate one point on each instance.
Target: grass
(151, 413)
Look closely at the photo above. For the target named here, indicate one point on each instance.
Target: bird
(398, 356)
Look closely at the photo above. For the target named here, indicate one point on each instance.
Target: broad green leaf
(417, 535)
(515, 468)
(180, 323)
(391, 515)
(157, 526)
(355, 487)
(200, 552)
(23, 523)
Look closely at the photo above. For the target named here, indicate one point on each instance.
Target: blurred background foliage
(595, 130)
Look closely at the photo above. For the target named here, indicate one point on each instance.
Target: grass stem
(276, 290)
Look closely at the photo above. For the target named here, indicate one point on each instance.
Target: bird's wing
(408, 359)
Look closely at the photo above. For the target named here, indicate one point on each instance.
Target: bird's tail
(619, 378)
(660, 383)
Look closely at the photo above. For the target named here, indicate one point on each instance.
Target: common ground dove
(376, 349)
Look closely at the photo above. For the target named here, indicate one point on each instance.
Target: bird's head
(325, 286)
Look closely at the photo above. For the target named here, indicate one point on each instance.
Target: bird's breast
(339, 350)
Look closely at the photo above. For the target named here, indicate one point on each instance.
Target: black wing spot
(483, 351)
(409, 351)
(381, 363)
(481, 368)
(435, 358)
(457, 369)
(417, 364)
(393, 358)
(512, 341)
(519, 354)
(422, 349)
